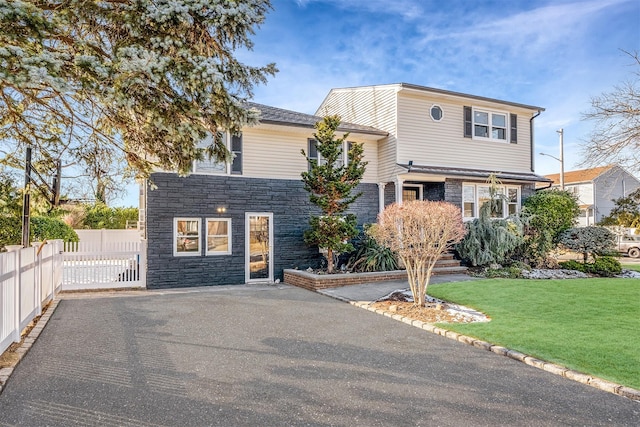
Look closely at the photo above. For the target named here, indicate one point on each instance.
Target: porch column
(399, 183)
(381, 186)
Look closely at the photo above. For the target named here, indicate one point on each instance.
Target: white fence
(107, 237)
(29, 278)
(103, 264)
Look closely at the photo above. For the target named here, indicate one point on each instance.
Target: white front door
(259, 247)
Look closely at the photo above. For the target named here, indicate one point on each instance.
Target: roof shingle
(582, 175)
(280, 116)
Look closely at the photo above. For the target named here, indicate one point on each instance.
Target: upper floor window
(212, 166)
(490, 125)
(436, 113)
(312, 153)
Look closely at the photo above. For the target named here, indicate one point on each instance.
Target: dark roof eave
(312, 126)
(474, 173)
(464, 95)
(282, 117)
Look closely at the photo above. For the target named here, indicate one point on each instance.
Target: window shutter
(468, 125)
(236, 150)
(514, 128)
(312, 151)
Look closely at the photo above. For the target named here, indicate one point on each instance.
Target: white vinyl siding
(442, 143)
(275, 153)
(369, 106)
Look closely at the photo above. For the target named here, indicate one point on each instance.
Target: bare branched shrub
(419, 232)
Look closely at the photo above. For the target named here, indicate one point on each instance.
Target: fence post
(142, 272)
(37, 275)
(15, 334)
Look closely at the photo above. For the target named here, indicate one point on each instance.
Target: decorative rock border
(580, 377)
(28, 341)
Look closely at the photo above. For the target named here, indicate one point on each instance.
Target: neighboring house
(596, 189)
(243, 221)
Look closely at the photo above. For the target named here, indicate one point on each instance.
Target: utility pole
(561, 132)
(26, 200)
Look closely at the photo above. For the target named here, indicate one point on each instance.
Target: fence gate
(104, 265)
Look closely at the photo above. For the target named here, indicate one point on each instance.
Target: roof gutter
(533, 164)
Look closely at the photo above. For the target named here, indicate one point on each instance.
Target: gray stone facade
(201, 196)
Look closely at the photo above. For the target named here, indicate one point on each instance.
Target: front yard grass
(589, 325)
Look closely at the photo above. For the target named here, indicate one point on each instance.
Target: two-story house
(596, 190)
(243, 221)
(443, 145)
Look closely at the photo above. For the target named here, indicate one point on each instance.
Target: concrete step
(438, 271)
(447, 262)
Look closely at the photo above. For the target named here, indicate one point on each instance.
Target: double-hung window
(186, 236)
(490, 125)
(313, 153)
(212, 166)
(218, 236)
(505, 199)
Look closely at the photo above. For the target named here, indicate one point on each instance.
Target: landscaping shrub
(588, 241)
(43, 227)
(489, 241)
(511, 272)
(606, 266)
(371, 256)
(603, 266)
(574, 265)
(101, 216)
(545, 215)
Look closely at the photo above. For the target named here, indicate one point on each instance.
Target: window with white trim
(186, 237)
(215, 167)
(469, 201)
(218, 236)
(312, 153)
(474, 196)
(436, 113)
(490, 125)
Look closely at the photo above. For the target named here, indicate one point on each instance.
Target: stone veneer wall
(389, 193)
(199, 196)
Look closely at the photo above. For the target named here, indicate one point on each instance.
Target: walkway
(275, 355)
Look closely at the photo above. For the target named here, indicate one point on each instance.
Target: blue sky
(552, 54)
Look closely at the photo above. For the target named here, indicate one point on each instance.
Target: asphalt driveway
(276, 356)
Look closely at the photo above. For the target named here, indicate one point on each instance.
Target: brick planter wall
(313, 282)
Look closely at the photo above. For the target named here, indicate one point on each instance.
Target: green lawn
(635, 267)
(590, 325)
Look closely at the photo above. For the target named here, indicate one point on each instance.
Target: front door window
(259, 257)
(410, 194)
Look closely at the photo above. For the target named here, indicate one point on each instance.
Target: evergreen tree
(330, 183)
(148, 79)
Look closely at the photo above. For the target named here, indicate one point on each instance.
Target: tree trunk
(329, 260)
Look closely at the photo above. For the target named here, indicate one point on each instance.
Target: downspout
(531, 143)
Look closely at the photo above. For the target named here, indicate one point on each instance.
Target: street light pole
(561, 158)
(561, 132)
